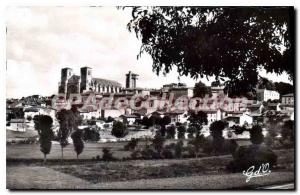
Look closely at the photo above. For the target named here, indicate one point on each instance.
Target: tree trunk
(45, 158)
(62, 154)
(77, 157)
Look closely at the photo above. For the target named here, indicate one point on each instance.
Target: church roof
(107, 82)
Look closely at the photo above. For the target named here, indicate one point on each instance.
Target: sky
(42, 40)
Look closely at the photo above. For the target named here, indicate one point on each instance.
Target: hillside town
(236, 111)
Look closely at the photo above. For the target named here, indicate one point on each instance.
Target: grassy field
(153, 169)
(202, 173)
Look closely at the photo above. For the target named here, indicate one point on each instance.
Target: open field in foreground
(201, 173)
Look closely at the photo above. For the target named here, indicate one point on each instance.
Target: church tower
(131, 80)
(66, 74)
(86, 79)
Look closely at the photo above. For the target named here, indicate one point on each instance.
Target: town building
(265, 95)
(287, 99)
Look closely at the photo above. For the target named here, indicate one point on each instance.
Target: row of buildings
(237, 111)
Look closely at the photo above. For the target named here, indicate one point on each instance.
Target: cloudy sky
(42, 40)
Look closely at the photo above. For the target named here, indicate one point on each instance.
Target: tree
(264, 83)
(226, 42)
(197, 143)
(171, 131)
(107, 154)
(110, 119)
(197, 120)
(181, 132)
(43, 124)
(191, 131)
(256, 136)
(287, 130)
(201, 90)
(178, 149)
(166, 120)
(131, 144)
(119, 129)
(284, 88)
(146, 122)
(158, 142)
(68, 122)
(77, 142)
(29, 118)
(216, 130)
(90, 135)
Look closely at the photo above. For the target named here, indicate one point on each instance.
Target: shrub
(253, 155)
(181, 132)
(171, 131)
(107, 155)
(256, 136)
(178, 149)
(131, 144)
(90, 135)
(119, 129)
(216, 131)
(287, 130)
(136, 154)
(191, 131)
(158, 142)
(168, 153)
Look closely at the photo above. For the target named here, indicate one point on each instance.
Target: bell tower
(86, 79)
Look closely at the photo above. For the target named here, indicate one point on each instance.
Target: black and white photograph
(150, 97)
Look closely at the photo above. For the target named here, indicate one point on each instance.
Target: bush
(136, 154)
(119, 129)
(181, 132)
(90, 135)
(131, 144)
(256, 136)
(168, 153)
(107, 155)
(171, 131)
(253, 155)
(178, 149)
(158, 142)
(191, 131)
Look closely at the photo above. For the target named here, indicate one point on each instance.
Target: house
(214, 115)
(265, 95)
(18, 125)
(287, 99)
(129, 118)
(177, 116)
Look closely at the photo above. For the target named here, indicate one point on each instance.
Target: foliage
(256, 136)
(90, 135)
(198, 142)
(171, 131)
(284, 88)
(197, 120)
(158, 142)
(166, 120)
(287, 132)
(201, 90)
(178, 149)
(107, 155)
(226, 42)
(191, 131)
(110, 119)
(216, 130)
(43, 124)
(77, 142)
(119, 129)
(238, 129)
(131, 144)
(181, 132)
(29, 118)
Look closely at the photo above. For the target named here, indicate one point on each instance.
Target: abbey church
(74, 84)
(71, 83)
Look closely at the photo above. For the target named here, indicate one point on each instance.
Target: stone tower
(131, 79)
(66, 73)
(86, 79)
